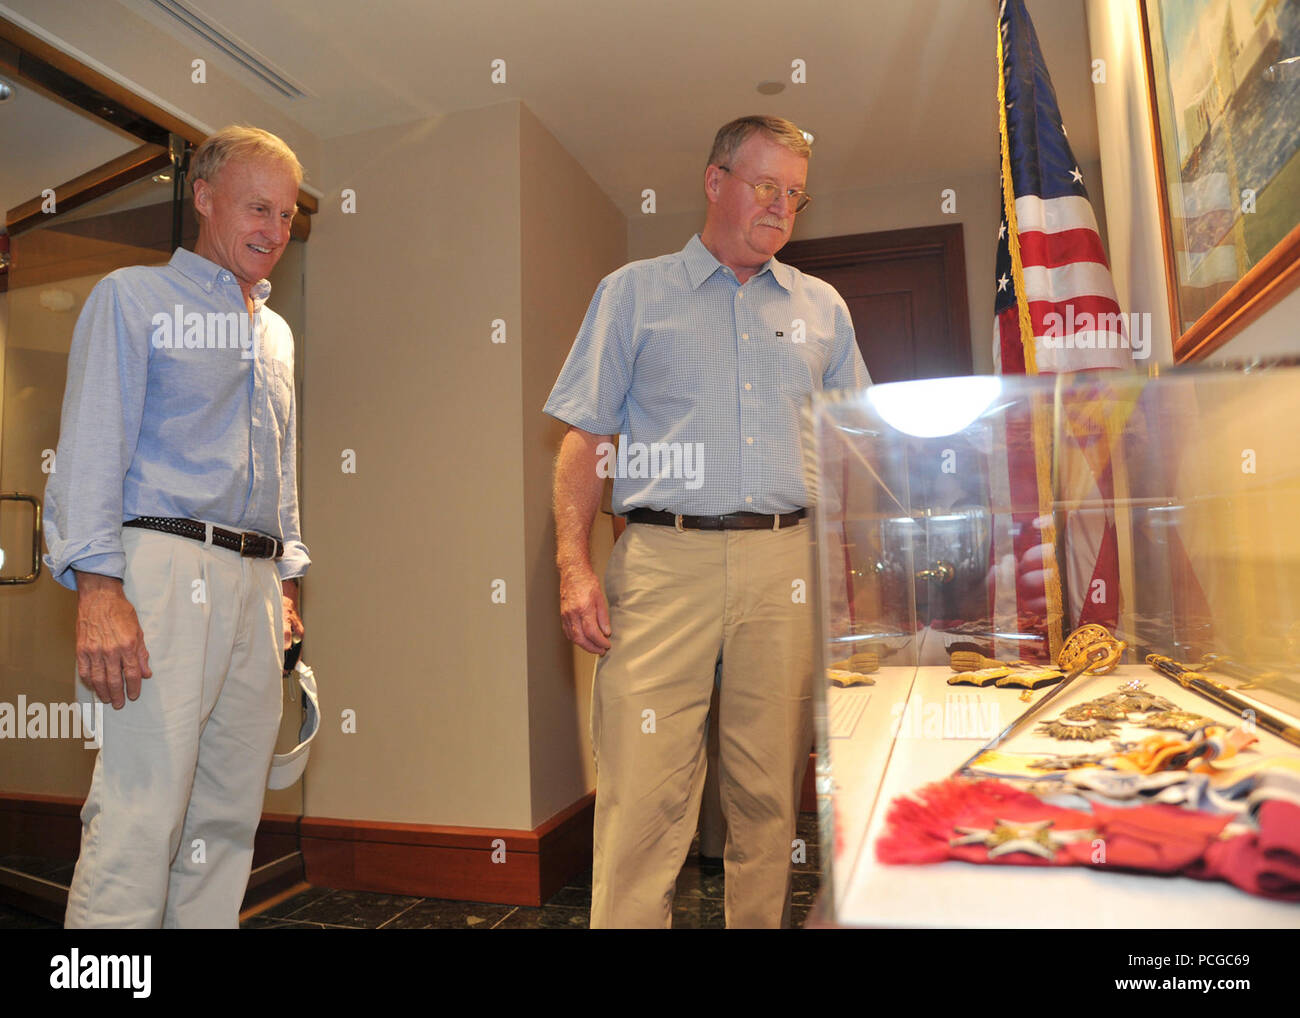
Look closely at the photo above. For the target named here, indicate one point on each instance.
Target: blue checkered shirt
(675, 350)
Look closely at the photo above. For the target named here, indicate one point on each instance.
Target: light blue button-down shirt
(675, 350)
(170, 410)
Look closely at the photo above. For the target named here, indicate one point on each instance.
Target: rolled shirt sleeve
(295, 561)
(103, 401)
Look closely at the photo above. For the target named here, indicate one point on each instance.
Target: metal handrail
(19, 496)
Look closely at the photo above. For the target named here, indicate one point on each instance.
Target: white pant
(167, 829)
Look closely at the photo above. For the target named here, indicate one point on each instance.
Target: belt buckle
(243, 538)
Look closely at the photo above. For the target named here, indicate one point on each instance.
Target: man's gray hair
(731, 136)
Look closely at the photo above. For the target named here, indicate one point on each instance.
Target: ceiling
(896, 90)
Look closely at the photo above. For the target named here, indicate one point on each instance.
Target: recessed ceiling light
(771, 87)
(162, 178)
(807, 136)
(6, 91)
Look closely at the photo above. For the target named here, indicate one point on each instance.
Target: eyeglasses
(766, 192)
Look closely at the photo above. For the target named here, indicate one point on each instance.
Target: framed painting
(1223, 80)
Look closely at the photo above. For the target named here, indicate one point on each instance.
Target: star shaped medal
(1007, 836)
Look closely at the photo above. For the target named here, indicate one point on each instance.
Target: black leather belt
(732, 521)
(248, 543)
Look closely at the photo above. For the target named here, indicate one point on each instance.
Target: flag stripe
(1067, 281)
(1054, 215)
(1071, 311)
(1053, 250)
(1011, 352)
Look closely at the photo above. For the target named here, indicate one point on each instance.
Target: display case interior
(965, 528)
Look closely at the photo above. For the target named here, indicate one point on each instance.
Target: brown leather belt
(732, 521)
(248, 543)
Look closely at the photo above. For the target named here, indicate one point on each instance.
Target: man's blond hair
(238, 142)
(731, 136)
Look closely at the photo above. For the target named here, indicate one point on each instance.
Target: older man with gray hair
(711, 351)
(173, 512)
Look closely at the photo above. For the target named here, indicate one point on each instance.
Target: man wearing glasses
(701, 362)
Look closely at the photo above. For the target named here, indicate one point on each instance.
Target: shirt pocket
(280, 384)
(799, 368)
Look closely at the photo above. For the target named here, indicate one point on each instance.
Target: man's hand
(583, 611)
(111, 655)
(293, 627)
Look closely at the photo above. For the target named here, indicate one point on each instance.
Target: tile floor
(699, 902)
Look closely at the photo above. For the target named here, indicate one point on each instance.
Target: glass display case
(979, 766)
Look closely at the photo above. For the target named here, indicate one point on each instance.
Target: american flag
(1066, 278)
(1052, 274)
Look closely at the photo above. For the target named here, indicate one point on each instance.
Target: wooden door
(906, 291)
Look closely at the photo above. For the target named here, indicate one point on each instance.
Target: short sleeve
(591, 391)
(846, 369)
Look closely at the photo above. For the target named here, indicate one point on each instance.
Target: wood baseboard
(510, 867)
(272, 880)
(49, 827)
(43, 826)
(47, 830)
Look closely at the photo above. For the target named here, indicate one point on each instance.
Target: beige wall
(1124, 129)
(468, 713)
(871, 209)
(1124, 125)
(572, 236)
(402, 627)
(1272, 334)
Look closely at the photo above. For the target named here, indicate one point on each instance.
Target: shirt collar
(700, 265)
(209, 274)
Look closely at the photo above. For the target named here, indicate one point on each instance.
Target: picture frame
(1224, 101)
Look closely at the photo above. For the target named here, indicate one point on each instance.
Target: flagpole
(1041, 422)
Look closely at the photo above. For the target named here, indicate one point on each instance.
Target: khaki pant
(679, 601)
(167, 829)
